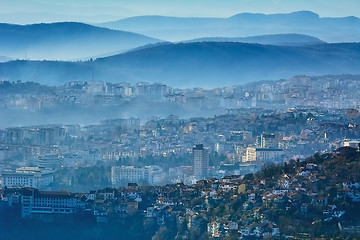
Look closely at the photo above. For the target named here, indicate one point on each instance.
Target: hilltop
(65, 41)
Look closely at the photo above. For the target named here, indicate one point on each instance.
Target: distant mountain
(65, 41)
(206, 64)
(4, 59)
(274, 39)
(345, 29)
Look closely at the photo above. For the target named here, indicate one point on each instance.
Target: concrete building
(263, 155)
(51, 135)
(43, 203)
(154, 175)
(268, 140)
(352, 143)
(15, 135)
(126, 174)
(122, 175)
(126, 124)
(244, 137)
(200, 162)
(34, 177)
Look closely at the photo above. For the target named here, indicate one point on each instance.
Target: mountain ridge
(291, 39)
(65, 40)
(344, 29)
(206, 64)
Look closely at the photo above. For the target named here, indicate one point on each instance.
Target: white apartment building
(34, 177)
(152, 175)
(263, 155)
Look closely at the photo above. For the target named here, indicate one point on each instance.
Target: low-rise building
(35, 202)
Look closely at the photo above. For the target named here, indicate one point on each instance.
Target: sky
(95, 11)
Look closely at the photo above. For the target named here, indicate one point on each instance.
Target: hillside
(274, 39)
(346, 29)
(65, 41)
(206, 64)
(313, 199)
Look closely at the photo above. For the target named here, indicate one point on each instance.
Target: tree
(197, 201)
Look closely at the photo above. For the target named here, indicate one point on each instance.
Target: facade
(244, 137)
(15, 135)
(263, 155)
(121, 175)
(37, 203)
(154, 175)
(34, 177)
(268, 140)
(200, 162)
(352, 143)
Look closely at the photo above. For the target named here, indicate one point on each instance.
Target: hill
(274, 39)
(205, 64)
(65, 41)
(4, 59)
(346, 29)
(313, 199)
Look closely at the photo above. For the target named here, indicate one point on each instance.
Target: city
(183, 162)
(161, 120)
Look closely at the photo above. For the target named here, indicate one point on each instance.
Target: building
(268, 140)
(200, 162)
(51, 161)
(263, 155)
(154, 175)
(122, 175)
(42, 203)
(244, 137)
(15, 135)
(352, 143)
(34, 177)
(125, 124)
(125, 174)
(214, 229)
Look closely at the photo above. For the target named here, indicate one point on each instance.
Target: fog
(96, 113)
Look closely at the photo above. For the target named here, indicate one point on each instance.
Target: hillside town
(296, 200)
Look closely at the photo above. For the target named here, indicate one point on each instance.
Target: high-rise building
(200, 162)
